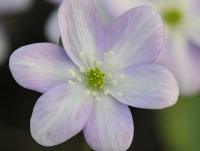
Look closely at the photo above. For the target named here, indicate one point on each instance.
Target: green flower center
(96, 78)
(172, 17)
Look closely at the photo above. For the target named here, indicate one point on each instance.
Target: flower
(13, 6)
(51, 28)
(182, 22)
(9, 7)
(88, 84)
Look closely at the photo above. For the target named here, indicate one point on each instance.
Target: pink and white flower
(182, 24)
(88, 84)
(51, 29)
(9, 7)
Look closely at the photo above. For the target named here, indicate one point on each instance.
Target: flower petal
(148, 86)
(59, 114)
(110, 126)
(12, 6)
(80, 28)
(40, 66)
(136, 37)
(110, 9)
(193, 28)
(52, 29)
(56, 1)
(178, 58)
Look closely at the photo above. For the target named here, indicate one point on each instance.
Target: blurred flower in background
(182, 19)
(51, 29)
(8, 7)
(14, 6)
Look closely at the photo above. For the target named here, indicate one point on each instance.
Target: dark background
(174, 129)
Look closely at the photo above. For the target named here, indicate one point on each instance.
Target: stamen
(121, 65)
(95, 93)
(109, 76)
(99, 63)
(110, 53)
(79, 79)
(115, 83)
(82, 55)
(82, 69)
(72, 73)
(122, 76)
(87, 92)
(71, 82)
(106, 91)
(98, 98)
(96, 78)
(120, 94)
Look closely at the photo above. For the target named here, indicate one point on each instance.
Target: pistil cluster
(96, 78)
(172, 17)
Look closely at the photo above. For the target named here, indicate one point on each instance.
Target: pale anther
(72, 72)
(70, 82)
(106, 91)
(87, 92)
(122, 76)
(120, 94)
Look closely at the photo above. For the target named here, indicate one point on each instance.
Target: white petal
(110, 127)
(136, 37)
(52, 29)
(41, 66)
(59, 114)
(80, 28)
(148, 86)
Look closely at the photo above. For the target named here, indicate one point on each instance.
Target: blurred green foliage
(180, 125)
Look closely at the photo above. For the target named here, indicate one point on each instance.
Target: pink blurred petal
(52, 29)
(179, 60)
(110, 127)
(13, 6)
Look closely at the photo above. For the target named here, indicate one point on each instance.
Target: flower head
(182, 25)
(88, 84)
(8, 7)
(13, 6)
(51, 28)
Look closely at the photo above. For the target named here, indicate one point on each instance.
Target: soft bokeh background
(173, 129)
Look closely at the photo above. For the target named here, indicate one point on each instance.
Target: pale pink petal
(80, 28)
(136, 37)
(110, 127)
(40, 66)
(177, 57)
(59, 114)
(148, 86)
